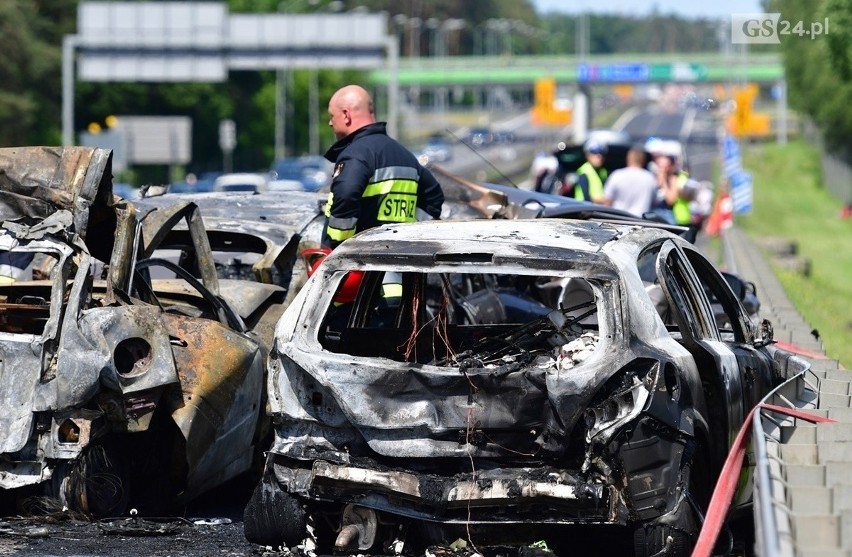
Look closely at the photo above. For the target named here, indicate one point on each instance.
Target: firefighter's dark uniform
(375, 181)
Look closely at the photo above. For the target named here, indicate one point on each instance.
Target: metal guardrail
(774, 535)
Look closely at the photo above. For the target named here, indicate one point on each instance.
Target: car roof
(553, 244)
(241, 178)
(294, 210)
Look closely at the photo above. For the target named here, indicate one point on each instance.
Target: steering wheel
(223, 311)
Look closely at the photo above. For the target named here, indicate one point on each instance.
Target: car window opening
(25, 291)
(465, 320)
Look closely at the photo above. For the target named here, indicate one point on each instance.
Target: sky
(719, 9)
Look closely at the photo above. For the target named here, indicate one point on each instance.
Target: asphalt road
(694, 128)
(209, 526)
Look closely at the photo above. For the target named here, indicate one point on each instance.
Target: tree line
(30, 99)
(818, 69)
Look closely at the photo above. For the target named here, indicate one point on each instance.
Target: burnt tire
(661, 539)
(98, 483)
(273, 517)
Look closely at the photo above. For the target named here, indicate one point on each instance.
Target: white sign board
(202, 41)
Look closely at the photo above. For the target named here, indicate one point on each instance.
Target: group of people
(634, 188)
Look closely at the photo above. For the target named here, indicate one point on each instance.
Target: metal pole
(782, 112)
(393, 87)
(227, 161)
(313, 110)
(69, 44)
(280, 114)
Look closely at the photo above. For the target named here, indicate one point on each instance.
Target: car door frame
(716, 362)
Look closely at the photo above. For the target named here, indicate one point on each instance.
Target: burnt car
(120, 389)
(256, 237)
(523, 377)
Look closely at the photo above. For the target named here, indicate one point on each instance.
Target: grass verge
(791, 202)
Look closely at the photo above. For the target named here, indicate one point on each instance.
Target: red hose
(796, 349)
(723, 493)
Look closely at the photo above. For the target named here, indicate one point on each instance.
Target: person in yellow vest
(673, 194)
(376, 180)
(592, 175)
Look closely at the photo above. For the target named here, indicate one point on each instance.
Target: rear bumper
(490, 496)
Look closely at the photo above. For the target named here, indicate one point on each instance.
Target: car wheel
(273, 517)
(654, 539)
(98, 483)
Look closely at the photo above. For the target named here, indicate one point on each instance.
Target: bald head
(350, 109)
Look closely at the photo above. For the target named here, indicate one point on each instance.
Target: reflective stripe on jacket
(376, 180)
(594, 178)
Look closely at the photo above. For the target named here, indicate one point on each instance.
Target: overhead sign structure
(613, 73)
(202, 41)
(640, 73)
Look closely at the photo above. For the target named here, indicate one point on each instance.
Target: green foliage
(819, 70)
(29, 66)
(791, 202)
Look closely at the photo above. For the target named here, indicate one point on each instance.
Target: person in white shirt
(632, 188)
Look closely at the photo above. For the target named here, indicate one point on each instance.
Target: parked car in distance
(313, 172)
(480, 137)
(527, 377)
(203, 183)
(241, 182)
(504, 136)
(437, 149)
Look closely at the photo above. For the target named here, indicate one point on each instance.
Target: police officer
(592, 175)
(375, 180)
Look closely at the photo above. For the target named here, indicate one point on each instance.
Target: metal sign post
(227, 142)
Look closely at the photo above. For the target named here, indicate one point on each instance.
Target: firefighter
(375, 179)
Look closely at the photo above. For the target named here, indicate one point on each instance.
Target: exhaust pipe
(358, 528)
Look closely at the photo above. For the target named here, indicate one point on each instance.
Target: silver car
(504, 382)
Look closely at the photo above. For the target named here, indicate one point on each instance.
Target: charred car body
(525, 375)
(117, 389)
(252, 237)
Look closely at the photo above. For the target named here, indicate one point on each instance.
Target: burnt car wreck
(126, 379)
(500, 381)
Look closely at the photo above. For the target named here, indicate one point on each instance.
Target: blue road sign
(741, 192)
(731, 160)
(613, 73)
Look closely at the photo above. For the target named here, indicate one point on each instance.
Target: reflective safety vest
(595, 178)
(680, 208)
